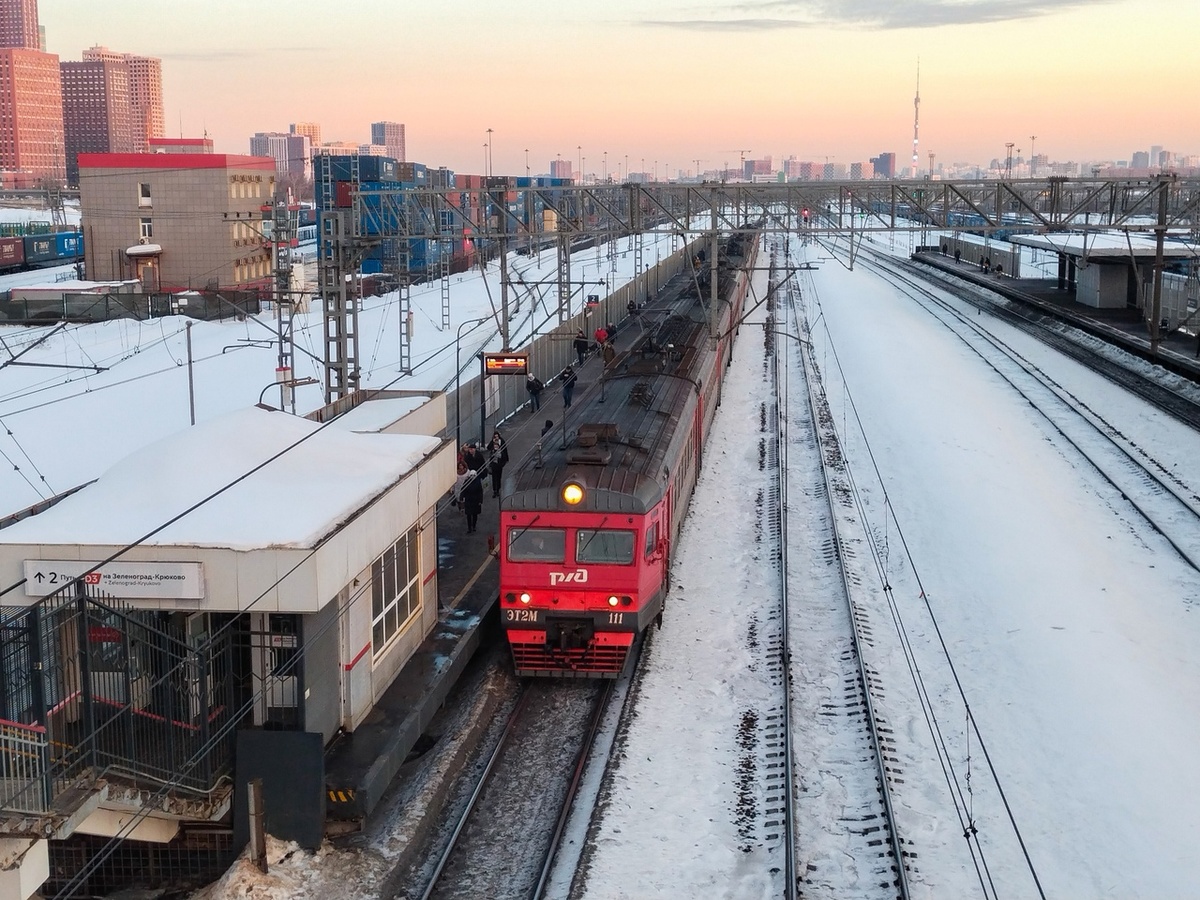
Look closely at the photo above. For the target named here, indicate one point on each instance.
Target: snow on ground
(1071, 625)
(61, 427)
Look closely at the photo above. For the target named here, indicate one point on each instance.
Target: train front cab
(578, 588)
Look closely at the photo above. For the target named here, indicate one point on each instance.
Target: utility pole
(916, 117)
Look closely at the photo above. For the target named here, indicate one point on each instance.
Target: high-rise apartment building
(884, 165)
(560, 168)
(97, 115)
(145, 92)
(19, 24)
(292, 152)
(391, 136)
(311, 129)
(31, 116)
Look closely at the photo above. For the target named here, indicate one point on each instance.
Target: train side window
(537, 545)
(608, 546)
(651, 539)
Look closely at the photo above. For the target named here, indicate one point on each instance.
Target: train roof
(620, 438)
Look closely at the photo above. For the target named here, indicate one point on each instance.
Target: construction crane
(741, 159)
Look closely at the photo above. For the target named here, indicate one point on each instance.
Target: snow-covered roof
(293, 501)
(1107, 245)
(376, 415)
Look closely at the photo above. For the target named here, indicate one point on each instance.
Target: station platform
(1124, 327)
(359, 766)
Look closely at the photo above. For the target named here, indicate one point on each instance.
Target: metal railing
(89, 688)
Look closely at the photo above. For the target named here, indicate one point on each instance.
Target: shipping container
(68, 245)
(39, 249)
(413, 173)
(12, 252)
(370, 168)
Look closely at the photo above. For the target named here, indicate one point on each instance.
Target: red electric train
(587, 529)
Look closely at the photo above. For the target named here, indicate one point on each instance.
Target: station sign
(505, 363)
(132, 580)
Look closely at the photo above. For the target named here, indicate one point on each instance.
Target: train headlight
(572, 493)
(626, 601)
(613, 601)
(525, 598)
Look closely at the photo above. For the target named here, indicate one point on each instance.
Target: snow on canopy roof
(375, 415)
(294, 501)
(1108, 244)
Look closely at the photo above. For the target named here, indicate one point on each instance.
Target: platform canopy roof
(1108, 245)
(294, 501)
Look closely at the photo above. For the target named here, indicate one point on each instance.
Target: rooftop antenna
(916, 117)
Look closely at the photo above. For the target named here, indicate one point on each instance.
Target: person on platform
(569, 378)
(581, 347)
(548, 425)
(497, 460)
(610, 354)
(957, 255)
(631, 307)
(473, 458)
(601, 335)
(534, 387)
(472, 498)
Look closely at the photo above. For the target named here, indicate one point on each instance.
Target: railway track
(847, 768)
(1162, 498)
(505, 839)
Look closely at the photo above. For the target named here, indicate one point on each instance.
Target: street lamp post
(579, 147)
(526, 162)
(458, 379)
(489, 152)
(604, 169)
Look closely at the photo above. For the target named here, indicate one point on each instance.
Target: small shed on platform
(1114, 270)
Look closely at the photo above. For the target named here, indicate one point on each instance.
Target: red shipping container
(342, 198)
(12, 252)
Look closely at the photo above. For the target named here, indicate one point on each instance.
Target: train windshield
(537, 545)
(613, 547)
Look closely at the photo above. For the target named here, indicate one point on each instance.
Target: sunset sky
(670, 81)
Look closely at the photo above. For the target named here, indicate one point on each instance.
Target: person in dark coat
(497, 460)
(610, 354)
(581, 346)
(957, 255)
(631, 307)
(548, 425)
(472, 499)
(569, 378)
(473, 458)
(534, 387)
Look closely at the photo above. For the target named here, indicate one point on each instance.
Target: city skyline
(817, 80)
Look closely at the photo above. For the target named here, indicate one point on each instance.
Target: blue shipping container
(39, 248)
(68, 244)
(370, 168)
